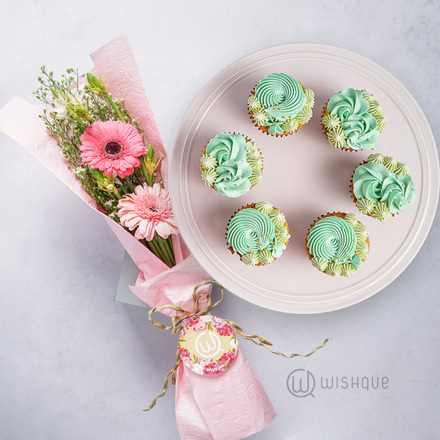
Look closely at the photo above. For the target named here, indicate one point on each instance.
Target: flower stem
(163, 244)
(152, 246)
(130, 185)
(168, 244)
(115, 107)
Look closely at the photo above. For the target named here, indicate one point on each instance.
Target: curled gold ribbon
(183, 314)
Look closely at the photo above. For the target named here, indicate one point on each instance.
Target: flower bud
(96, 84)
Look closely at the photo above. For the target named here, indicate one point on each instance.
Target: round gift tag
(207, 344)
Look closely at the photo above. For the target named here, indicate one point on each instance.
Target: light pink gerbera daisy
(148, 210)
(112, 147)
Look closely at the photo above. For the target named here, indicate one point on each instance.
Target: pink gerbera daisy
(148, 210)
(112, 147)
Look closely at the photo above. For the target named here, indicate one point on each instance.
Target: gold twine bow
(176, 327)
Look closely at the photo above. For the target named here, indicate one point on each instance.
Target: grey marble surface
(75, 364)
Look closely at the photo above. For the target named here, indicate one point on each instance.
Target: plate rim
(232, 73)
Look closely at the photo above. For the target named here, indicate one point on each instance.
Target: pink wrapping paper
(157, 284)
(230, 405)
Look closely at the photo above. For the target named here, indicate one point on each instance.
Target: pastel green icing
(365, 206)
(290, 125)
(234, 172)
(351, 219)
(368, 96)
(347, 270)
(277, 218)
(376, 158)
(284, 104)
(264, 207)
(256, 176)
(319, 263)
(253, 103)
(255, 162)
(390, 163)
(261, 117)
(265, 256)
(381, 123)
(381, 211)
(250, 259)
(253, 231)
(333, 269)
(330, 122)
(335, 248)
(337, 137)
(208, 161)
(252, 149)
(377, 183)
(359, 126)
(309, 98)
(333, 239)
(360, 231)
(402, 168)
(275, 127)
(376, 109)
(281, 95)
(362, 250)
(304, 115)
(209, 176)
(282, 236)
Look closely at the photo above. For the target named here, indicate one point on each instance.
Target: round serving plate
(305, 177)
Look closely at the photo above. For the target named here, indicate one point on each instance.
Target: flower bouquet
(104, 147)
(109, 152)
(98, 135)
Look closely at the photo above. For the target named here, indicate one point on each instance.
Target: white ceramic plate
(305, 177)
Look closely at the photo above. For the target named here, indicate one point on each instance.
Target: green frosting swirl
(252, 231)
(338, 246)
(358, 124)
(333, 239)
(233, 170)
(281, 104)
(375, 182)
(281, 95)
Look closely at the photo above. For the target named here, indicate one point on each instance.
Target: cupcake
(382, 187)
(280, 105)
(258, 233)
(352, 120)
(337, 244)
(231, 164)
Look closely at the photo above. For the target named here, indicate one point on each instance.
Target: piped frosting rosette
(231, 164)
(280, 105)
(259, 233)
(337, 244)
(382, 187)
(352, 120)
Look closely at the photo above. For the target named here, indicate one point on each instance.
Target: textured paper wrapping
(157, 284)
(228, 406)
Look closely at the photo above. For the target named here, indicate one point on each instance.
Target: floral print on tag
(207, 344)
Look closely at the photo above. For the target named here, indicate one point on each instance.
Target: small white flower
(197, 368)
(78, 171)
(78, 92)
(61, 107)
